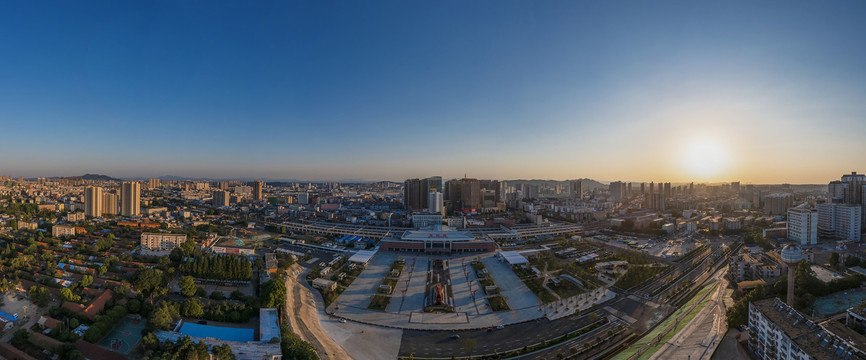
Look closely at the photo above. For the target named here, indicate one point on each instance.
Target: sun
(704, 158)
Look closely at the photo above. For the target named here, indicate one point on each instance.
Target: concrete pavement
(700, 337)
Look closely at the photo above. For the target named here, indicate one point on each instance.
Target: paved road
(438, 343)
(577, 344)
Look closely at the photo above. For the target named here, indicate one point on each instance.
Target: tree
(223, 352)
(166, 314)
(85, 281)
(739, 313)
(67, 295)
(146, 279)
(187, 286)
(852, 261)
(834, 260)
(134, 306)
(193, 308)
(188, 246)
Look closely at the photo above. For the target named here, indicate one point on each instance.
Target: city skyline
(325, 91)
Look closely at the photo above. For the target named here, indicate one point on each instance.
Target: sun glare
(704, 158)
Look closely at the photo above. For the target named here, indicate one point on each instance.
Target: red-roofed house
(48, 322)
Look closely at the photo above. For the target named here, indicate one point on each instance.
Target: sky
(757, 92)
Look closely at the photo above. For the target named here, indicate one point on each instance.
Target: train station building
(438, 242)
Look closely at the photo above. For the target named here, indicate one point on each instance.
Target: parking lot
(358, 294)
(460, 270)
(518, 295)
(415, 271)
(14, 303)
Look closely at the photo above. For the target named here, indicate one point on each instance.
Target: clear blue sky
(390, 90)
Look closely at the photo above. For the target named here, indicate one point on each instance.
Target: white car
(15, 315)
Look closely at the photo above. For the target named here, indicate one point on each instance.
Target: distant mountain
(97, 177)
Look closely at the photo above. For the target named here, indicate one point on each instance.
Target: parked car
(455, 336)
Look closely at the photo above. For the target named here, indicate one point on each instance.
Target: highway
(436, 343)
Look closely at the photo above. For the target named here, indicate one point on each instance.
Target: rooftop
(269, 327)
(438, 235)
(813, 339)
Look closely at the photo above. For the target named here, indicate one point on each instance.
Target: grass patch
(567, 289)
(497, 303)
(379, 302)
(534, 284)
(390, 282)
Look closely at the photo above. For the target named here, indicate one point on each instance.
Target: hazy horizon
(359, 180)
(663, 91)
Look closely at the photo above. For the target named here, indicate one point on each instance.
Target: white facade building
(841, 221)
(435, 202)
(164, 242)
(777, 331)
(803, 226)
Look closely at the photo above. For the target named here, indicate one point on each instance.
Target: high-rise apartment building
(412, 194)
(850, 190)
(433, 183)
(778, 204)
(153, 183)
(577, 189)
(464, 193)
(836, 191)
(839, 221)
(416, 192)
(93, 201)
(435, 202)
(109, 204)
(492, 185)
(803, 226)
(220, 197)
(617, 190)
(257, 190)
(303, 198)
(655, 201)
(854, 189)
(130, 198)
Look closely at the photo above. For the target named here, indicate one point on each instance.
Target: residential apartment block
(161, 242)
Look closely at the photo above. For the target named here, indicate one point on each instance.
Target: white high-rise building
(93, 201)
(435, 201)
(130, 198)
(803, 226)
(840, 221)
